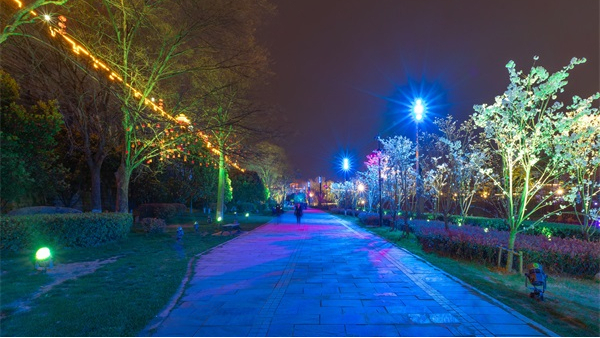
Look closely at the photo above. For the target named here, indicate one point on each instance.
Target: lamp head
(418, 109)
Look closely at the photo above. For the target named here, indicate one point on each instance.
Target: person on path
(298, 212)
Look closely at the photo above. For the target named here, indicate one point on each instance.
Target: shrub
(371, 218)
(43, 210)
(160, 210)
(246, 207)
(67, 230)
(154, 225)
(561, 230)
(558, 255)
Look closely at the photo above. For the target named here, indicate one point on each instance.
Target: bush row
(557, 255)
(340, 211)
(63, 230)
(159, 210)
(545, 228)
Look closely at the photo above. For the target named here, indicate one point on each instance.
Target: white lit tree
(465, 157)
(399, 152)
(522, 128)
(579, 147)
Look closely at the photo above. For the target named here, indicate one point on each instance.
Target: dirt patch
(60, 274)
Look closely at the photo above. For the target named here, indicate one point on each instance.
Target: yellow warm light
(112, 75)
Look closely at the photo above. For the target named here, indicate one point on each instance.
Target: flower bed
(557, 255)
(561, 230)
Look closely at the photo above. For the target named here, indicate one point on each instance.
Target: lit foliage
(522, 127)
(579, 147)
(23, 15)
(399, 158)
(370, 178)
(455, 176)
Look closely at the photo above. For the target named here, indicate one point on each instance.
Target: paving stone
(423, 331)
(371, 331)
(522, 330)
(319, 331)
(323, 278)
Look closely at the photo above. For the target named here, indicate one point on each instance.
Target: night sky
(346, 71)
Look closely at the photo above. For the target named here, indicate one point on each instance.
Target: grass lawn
(571, 306)
(112, 290)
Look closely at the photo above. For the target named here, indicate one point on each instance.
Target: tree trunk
(96, 188)
(221, 186)
(122, 175)
(511, 246)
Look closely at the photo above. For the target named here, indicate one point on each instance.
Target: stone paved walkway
(327, 278)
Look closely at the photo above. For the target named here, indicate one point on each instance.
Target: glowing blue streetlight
(418, 110)
(345, 167)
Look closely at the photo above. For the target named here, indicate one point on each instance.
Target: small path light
(247, 214)
(179, 234)
(196, 226)
(43, 259)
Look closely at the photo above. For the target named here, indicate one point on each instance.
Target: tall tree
(399, 153)
(16, 15)
(28, 137)
(271, 164)
(580, 147)
(522, 128)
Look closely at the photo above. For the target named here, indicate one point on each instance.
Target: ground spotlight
(43, 259)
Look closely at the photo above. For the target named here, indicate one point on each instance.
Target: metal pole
(380, 181)
(418, 177)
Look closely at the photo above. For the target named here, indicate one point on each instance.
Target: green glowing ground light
(43, 253)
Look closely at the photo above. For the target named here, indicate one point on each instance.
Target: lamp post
(320, 191)
(379, 150)
(418, 110)
(345, 168)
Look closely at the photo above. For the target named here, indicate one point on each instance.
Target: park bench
(230, 227)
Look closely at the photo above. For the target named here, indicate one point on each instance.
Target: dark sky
(346, 71)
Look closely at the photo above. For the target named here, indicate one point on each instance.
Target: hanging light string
(79, 49)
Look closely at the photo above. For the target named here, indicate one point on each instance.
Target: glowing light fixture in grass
(43, 259)
(247, 214)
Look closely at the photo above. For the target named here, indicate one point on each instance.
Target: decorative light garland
(79, 49)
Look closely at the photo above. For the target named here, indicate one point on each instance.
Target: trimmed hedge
(43, 210)
(154, 225)
(558, 255)
(561, 230)
(63, 230)
(160, 210)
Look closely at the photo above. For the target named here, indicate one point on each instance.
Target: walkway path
(327, 278)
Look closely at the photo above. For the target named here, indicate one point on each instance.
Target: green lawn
(119, 298)
(571, 306)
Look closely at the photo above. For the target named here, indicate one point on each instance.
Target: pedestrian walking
(298, 212)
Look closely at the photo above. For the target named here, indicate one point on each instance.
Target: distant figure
(298, 212)
(278, 211)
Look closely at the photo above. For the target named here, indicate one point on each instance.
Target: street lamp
(380, 179)
(418, 110)
(345, 167)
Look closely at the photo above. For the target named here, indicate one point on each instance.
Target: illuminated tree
(579, 146)
(399, 159)
(370, 178)
(455, 176)
(271, 164)
(20, 15)
(522, 128)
